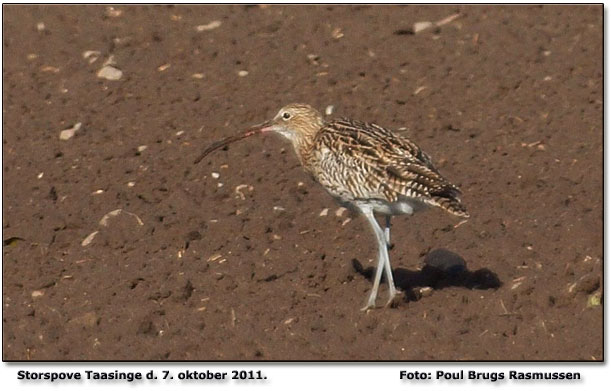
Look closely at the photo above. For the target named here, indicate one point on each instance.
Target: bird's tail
(448, 199)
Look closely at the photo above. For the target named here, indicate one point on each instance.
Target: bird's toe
(393, 298)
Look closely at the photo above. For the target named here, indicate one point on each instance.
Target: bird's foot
(371, 303)
(367, 308)
(393, 298)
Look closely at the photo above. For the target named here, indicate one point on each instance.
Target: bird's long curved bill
(231, 139)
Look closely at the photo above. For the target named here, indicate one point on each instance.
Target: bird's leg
(383, 260)
(392, 291)
(371, 302)
(387, 231)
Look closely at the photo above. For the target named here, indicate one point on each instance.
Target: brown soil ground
(507, 101)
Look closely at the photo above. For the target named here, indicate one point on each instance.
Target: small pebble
(110, 73)
(180, 133)
(238, 190)
(131, 184)
(215, 175)
(40, 26)
(41, 175)
(517, 282)
(324, 212)
(104, 220)
(313, 59)
(594, 300)
(425, 291)
(337, 33)
(120, 41)
(142, 148)
(89, 238)
(67, 134)
(419, 90)
(113, 13)
(163, 67)
(340, 211)
(329, 110)
(243, 73)
(207, 27)
(49, 68)
(91, 55)
(36, 294)
(214, 257)
(421, 26)
(197, 75)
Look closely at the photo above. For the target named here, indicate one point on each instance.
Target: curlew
(365, 166)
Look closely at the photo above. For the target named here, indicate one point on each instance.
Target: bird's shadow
(442, 268)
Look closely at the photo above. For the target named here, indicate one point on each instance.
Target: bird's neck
(303, 138)
(303, 146)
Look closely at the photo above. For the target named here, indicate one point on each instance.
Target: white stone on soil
(67, 134)
(109, 72)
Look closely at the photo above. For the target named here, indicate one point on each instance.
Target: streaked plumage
(366, 166)
(359, 161)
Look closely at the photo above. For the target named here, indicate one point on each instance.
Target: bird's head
(296, 121)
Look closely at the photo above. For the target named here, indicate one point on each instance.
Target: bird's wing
(393, 164)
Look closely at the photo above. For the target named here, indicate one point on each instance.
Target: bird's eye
(286, 115)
